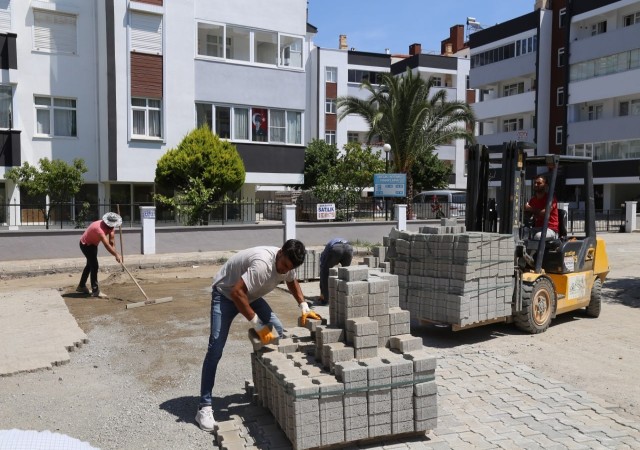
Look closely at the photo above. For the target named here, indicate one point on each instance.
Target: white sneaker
(205, 419)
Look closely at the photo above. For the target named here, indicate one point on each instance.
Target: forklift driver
(536, 206)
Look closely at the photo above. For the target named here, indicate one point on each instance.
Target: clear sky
(374, 25)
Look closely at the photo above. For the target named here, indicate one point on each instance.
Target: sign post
(390, 185)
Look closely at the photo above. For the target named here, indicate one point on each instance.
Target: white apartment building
(341, 72)
(505, 63)
(120, 83)
(566, 77)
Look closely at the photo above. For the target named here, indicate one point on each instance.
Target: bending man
(239, 287)
(337, 251)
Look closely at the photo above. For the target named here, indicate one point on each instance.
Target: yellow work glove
(307, 313)
(266, 334)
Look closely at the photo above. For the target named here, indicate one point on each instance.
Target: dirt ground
(161, 347)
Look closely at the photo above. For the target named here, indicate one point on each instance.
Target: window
(513, 89)
(330, 137)
(55, 116)
(437, 81)
(237, 43)
(240, 43)
(5, 19)
(54, 32)
(353, 136)
(146, 33)
(560, 96)
(277, 126)
(259, 125)
(241, 123)
(358, 76)
(629, 108)
(294, 127)
(599, 28)
(330, 106)
(594, 112)
(290, 51)
(631, 19)
(204, 115)
(223, 122)
(265, 47)
(256, 124)
(512, 125)
(562, 18)
(561, 57)
(146, 117)
(559, 135)
(6, 100)
(331, 75)
(210, 39)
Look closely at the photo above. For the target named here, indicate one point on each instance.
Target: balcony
(505, 106)
(519, 67)
(10, 148)
(618, 84)
(526, 135)
(614, 41)
(603, 130)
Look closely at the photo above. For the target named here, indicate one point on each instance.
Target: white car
(440, 203)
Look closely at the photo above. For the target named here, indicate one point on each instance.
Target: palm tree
(405, 113)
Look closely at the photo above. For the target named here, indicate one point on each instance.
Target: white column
(289, 220)
(148, 234)
(630, 219)
(401, 217)
(14, 219)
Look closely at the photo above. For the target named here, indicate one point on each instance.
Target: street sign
(390, 185)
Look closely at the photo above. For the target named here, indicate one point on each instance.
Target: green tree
(405, 113)
(353, 171)
(430, 172)
(201, 169)
(356, 166)
(319, 159)
(55, 179)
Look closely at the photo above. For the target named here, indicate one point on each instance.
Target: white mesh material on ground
(39, 440)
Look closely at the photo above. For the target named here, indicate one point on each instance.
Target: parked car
(439, 203)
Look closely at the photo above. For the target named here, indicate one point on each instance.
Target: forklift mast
(479, 215)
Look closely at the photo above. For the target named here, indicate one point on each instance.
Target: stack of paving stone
(310, 268)
(361, 377)
(461, 278)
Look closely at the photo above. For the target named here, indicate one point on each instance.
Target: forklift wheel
(593, 309)
(538, 306)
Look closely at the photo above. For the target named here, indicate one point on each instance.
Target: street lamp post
(387, 149)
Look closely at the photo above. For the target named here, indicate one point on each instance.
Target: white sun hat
(112, 219)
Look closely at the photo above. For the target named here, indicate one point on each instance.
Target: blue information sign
(390, 185)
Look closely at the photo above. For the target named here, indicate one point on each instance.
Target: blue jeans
(223, 311)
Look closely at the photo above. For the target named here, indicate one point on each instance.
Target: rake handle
(135, 281)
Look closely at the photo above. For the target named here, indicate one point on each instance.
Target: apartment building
(342, 70)
(120, 83)
(565, 76)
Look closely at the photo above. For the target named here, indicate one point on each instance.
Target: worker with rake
(239, 287)
(99, 231)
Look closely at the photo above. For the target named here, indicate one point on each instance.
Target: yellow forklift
(567, 273)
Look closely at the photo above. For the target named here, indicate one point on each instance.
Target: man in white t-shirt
(239, 287)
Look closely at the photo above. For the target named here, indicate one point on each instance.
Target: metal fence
(611, 220)
(80, 215)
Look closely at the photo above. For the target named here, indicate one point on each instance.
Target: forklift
(567, 272)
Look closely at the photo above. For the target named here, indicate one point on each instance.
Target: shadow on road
(624, 291)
